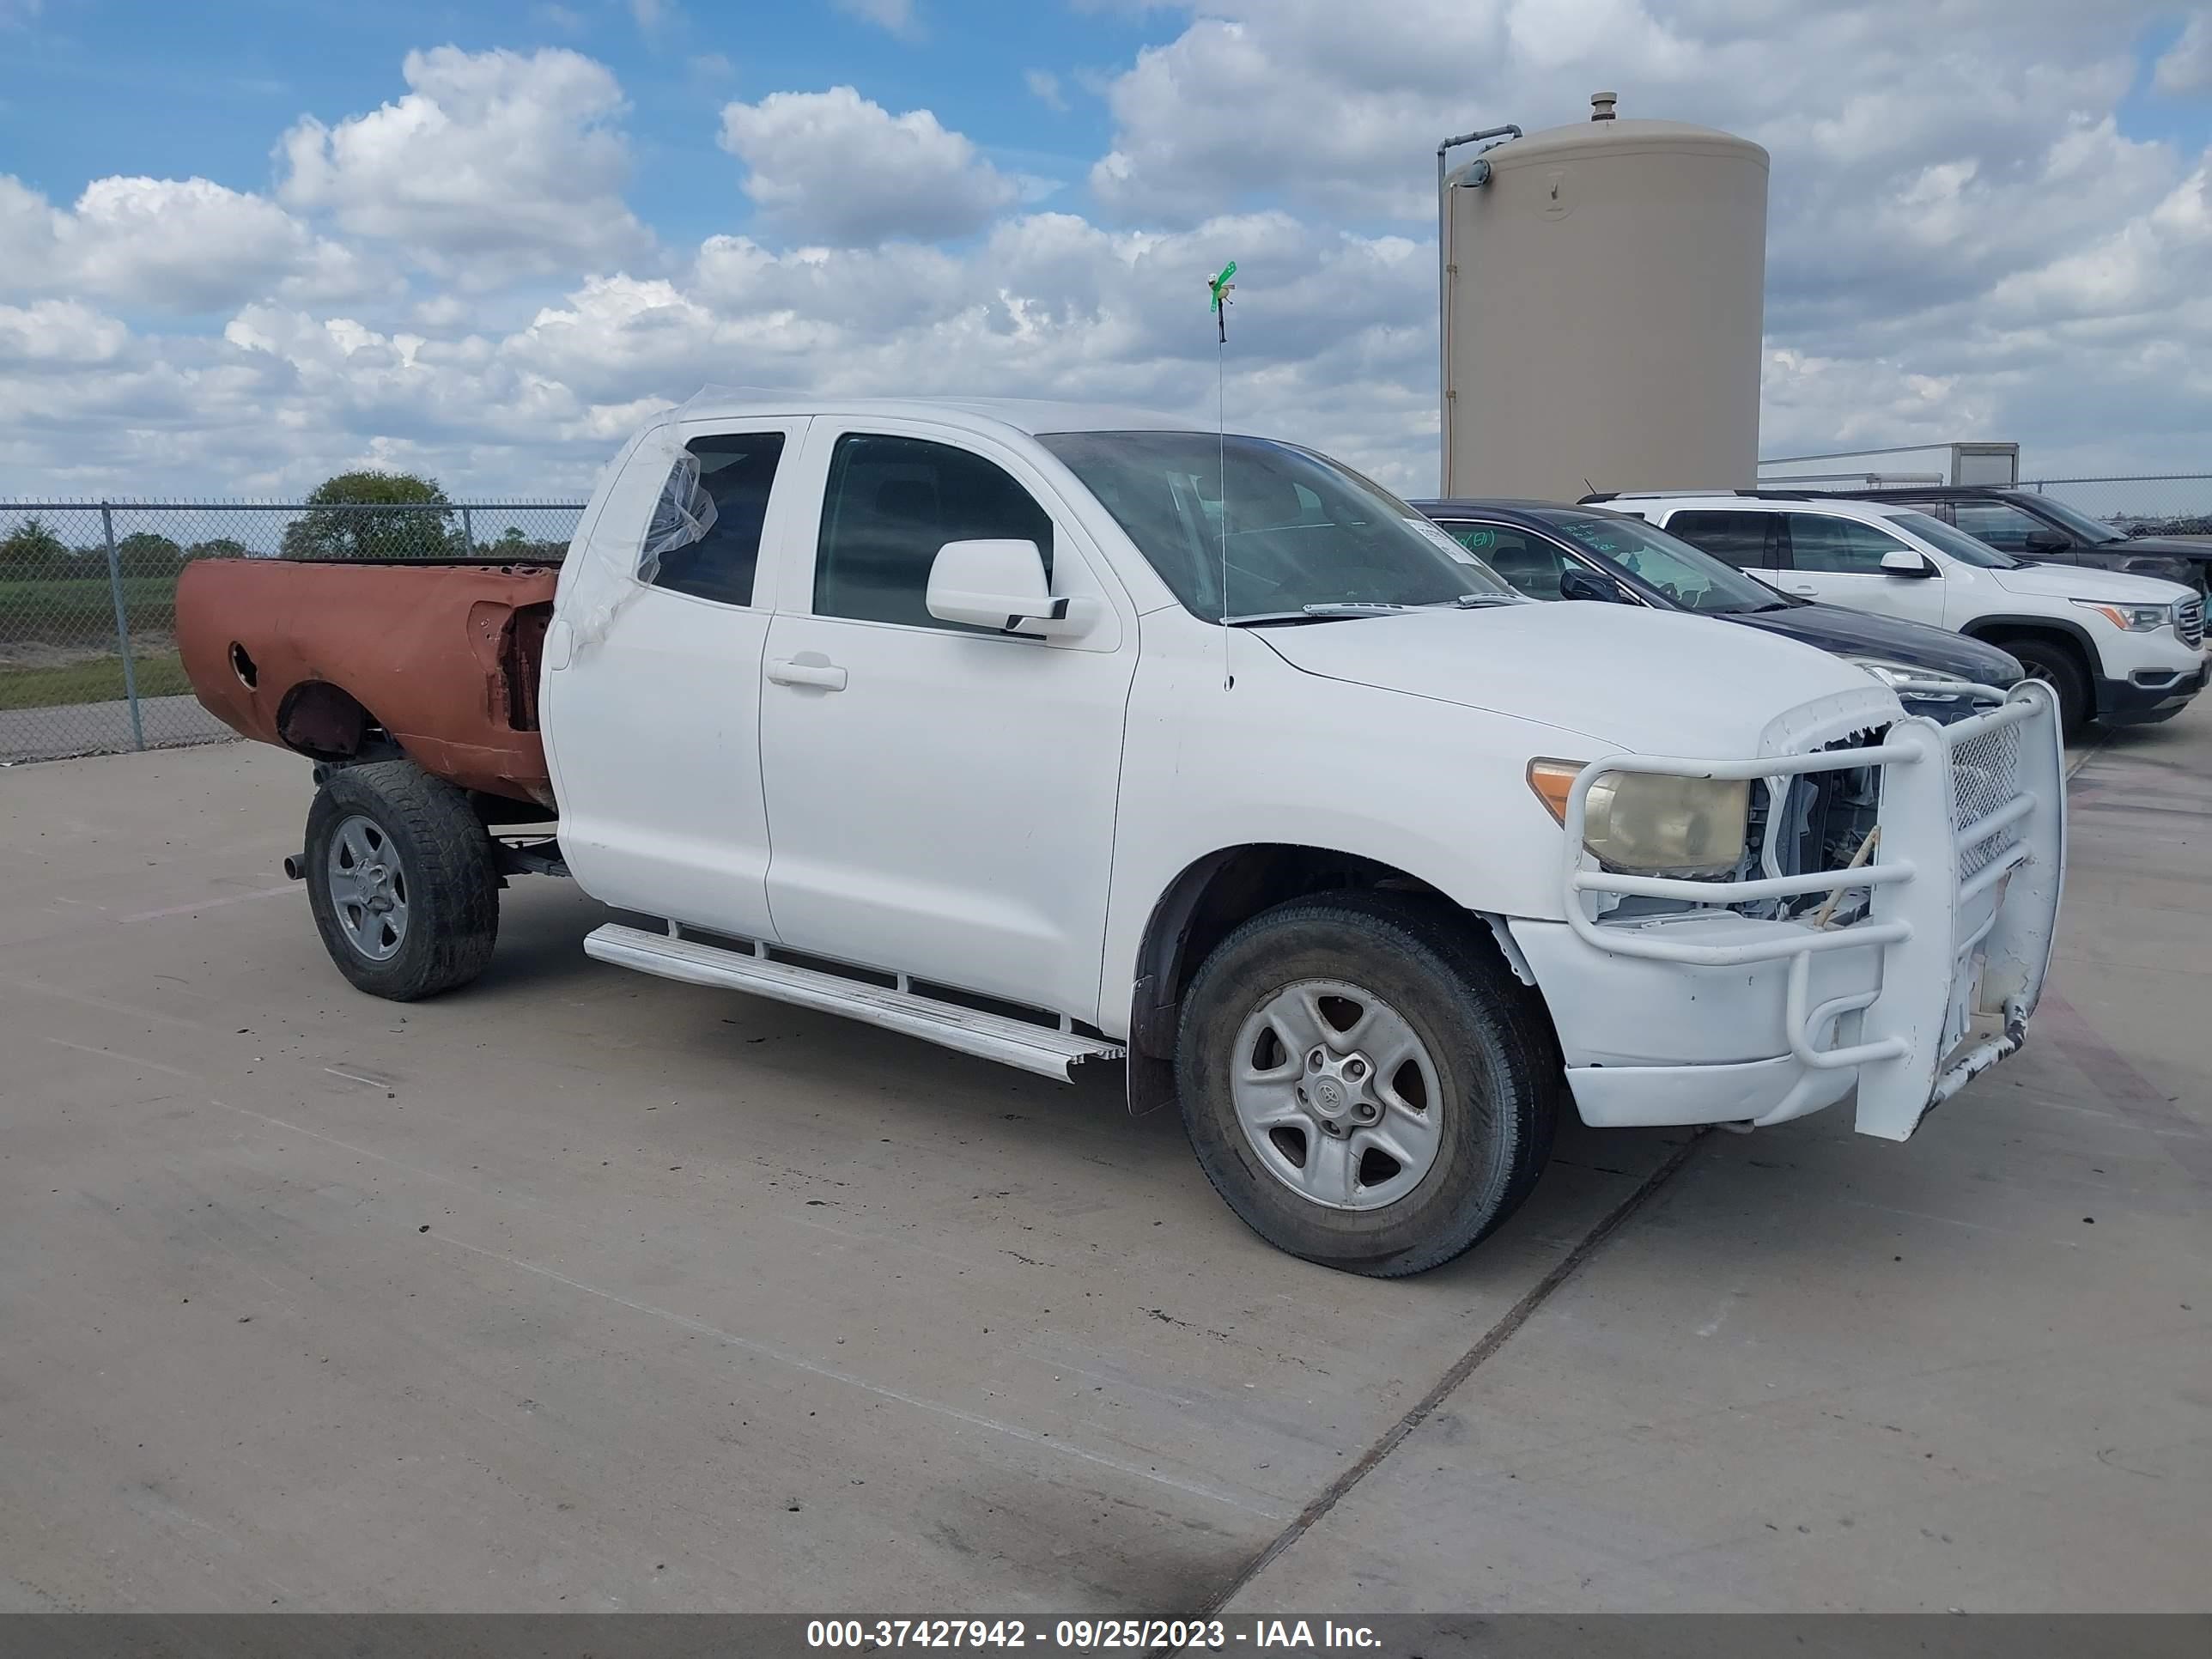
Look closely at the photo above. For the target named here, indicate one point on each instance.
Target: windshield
(1691, 577)
(2093, 530)
(1292, 530)
(1967, 550)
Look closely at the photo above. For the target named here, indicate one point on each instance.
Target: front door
(1837, 560)
(653, 677)
(941, 798)
(2007, 528)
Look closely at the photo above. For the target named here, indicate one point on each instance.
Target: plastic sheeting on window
(609, 566)
(683, 515)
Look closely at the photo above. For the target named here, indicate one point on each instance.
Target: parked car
(2032, 526)
(1056, 736)
(2120, 648)
(1552, 552)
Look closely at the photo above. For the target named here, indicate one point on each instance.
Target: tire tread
(1489, 998)
(455, 901)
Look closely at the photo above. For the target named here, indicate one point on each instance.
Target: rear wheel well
(326, 722)
(1209, 901)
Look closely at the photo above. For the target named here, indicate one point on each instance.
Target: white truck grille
(1985, 778)
(2189, 621)
(1963, 899)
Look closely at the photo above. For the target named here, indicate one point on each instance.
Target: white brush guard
(1962, 891)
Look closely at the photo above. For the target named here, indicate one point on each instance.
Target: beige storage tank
(1603, 295)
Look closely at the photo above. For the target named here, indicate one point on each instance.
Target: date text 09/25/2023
(1085, 1635)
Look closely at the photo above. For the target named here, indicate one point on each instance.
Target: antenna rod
(1220, 287)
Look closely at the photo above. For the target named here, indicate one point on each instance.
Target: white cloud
(896, 16)
(492, 164)
(1965, 241)
(59, 333)
(654, 15)
(834, 166)
(2186, 65)
(170, 245)
(1044, 87)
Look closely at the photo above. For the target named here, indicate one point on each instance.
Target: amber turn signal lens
(1552, 779)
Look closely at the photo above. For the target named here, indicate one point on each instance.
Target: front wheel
(1364, 1085)
(2061, 670)
(399, 876)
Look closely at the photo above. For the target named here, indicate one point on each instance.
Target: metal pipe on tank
(1444, 291)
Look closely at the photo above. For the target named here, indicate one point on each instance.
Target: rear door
(653, 678)
(1837, 560)
(1748, 539)
(941, 798)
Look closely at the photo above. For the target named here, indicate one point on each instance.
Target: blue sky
(185, 89)
(246, 242)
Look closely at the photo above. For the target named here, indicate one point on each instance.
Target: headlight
(2135, 618)
(1647, 823)
(1895, 674)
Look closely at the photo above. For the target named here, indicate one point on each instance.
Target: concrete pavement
(578, 1290)
(1820, 1372)
(81, 728)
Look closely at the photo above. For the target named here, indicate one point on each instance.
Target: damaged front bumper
(1706, 1014)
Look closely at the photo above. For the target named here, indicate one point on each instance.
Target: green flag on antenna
(1221, 286)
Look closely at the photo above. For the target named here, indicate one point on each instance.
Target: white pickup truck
(1054, 736)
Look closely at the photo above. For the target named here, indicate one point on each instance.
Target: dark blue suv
(1554, 552)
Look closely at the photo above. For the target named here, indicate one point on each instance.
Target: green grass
(100, 680)
(80, 609)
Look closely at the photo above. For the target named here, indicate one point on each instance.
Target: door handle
(1804, 588)
(822, 676)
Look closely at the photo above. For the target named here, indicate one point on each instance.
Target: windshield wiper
(1348, 609)
(1312, 613)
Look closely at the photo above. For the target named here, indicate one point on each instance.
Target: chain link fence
(2154, 504)
(87, 598)
(87, 589)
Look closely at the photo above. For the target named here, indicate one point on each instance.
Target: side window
(891, 503)
(1818, 542)
(706, 532)
(1741, 539)
(2000, 524)
(1528, 563)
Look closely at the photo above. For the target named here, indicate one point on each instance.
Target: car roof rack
(1677, 495)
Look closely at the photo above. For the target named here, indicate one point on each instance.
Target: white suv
(2121, 648)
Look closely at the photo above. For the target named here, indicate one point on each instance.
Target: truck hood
(2171, 547)
(1649, 682)
(2073, 581)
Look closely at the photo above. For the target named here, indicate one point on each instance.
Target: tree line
(366, 515)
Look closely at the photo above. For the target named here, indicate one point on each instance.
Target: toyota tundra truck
(1056, 736)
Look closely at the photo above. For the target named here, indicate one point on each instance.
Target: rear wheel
(399, 876)
(2059, 667)
(1364, 1087)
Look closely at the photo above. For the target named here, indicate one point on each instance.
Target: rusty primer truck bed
(317, 658)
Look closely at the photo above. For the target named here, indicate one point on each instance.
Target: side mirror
(2045, 541)
(1577, 583)
(999, 585)
(1903, 561)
